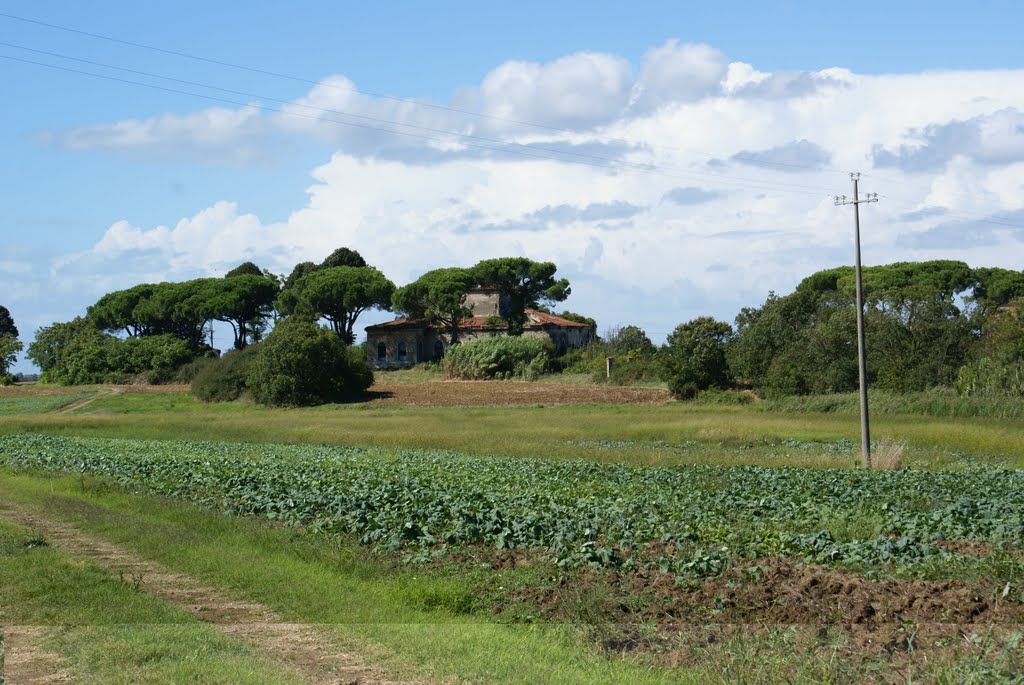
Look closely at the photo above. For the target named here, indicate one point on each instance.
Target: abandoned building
(405, 342)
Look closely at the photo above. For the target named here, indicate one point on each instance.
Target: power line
(753, 184)
(470, 136)
(448, 108)
(599, 162)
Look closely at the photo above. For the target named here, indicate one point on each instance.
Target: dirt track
(305, 649)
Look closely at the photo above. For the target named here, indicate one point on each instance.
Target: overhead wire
(755, 184)
(538, 152)
(488, 139)
(420, 103)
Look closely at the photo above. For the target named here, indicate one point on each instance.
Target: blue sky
(714, 135)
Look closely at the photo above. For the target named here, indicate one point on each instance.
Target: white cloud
(660, 239)
(576, 91)
(217, 134)
(678, 72)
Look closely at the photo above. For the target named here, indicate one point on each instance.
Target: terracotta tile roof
(534, 320)
(544, 319)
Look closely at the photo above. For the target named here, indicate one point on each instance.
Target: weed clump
(888, 455)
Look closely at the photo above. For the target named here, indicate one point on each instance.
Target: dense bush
(498, 357)
(635, 358)
(154, 358)
(302, 364)
(224, 379)
(77, 353)
(998, 367)
(695, 357)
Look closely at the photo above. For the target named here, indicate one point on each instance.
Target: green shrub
(153, 358)
(695, 357)
(631, 370)
(636, 359)
(224, 379)
(498, 357)
(77, 353)
(728, 397)
(303, 364)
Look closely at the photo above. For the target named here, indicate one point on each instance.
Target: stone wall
(409, 341)
(487, 302)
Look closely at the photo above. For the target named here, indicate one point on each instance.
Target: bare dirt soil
(445, 393)
(304, 648)
(819, 608)
(26, 662)
(387, 392)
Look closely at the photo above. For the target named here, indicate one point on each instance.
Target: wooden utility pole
(865, 435)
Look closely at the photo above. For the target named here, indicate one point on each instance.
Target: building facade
(406, 342)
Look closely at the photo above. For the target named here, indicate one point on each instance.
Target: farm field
(649, 541)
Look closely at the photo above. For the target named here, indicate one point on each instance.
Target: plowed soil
(444, 393)
(433, 393)
(817, 608)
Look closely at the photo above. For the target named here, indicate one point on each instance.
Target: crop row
(690, 520)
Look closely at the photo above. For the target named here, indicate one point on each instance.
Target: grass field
(650, 433)
(655, 542)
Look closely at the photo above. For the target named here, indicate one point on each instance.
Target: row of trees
(338, 290)
(927, 324)
(151, 330)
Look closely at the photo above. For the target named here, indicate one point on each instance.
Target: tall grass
(497, 357)
(942, 402)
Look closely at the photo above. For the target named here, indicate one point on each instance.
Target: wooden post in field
(608, 367)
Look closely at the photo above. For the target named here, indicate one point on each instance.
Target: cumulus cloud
(626, 201)
(576, 91)
(217, 135)
(997, 138)
(678, 72)
(517, 103)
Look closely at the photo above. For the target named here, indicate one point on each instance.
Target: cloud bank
(680, 186)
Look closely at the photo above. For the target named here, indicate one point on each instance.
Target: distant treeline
(160, 332)
(927, 324)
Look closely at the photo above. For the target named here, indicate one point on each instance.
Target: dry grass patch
(888, 455)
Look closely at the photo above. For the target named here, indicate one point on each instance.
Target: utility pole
(865, 436)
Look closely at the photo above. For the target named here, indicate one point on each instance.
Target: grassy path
(401, 623)
(86, 401)
(302, 648)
